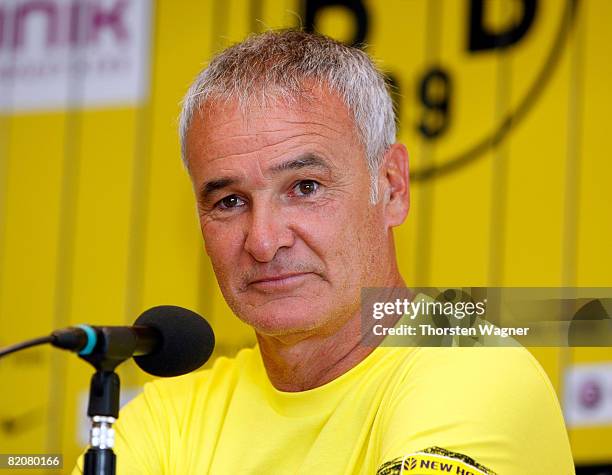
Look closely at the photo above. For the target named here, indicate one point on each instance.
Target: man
(289, 139)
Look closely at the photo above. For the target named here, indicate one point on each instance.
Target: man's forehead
(258, 116)
(261, 124)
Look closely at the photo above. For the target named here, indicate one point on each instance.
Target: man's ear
(394, 185)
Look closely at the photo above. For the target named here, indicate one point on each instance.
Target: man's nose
(267, 232)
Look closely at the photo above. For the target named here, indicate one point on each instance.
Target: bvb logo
(448, 81)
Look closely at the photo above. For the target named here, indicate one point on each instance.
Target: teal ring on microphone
(91, 340)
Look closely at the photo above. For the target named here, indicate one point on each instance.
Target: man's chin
(286, 321)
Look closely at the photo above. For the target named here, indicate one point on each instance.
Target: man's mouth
(279, 281)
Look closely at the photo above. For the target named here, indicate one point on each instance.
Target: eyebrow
(214, 185)
(308, 160)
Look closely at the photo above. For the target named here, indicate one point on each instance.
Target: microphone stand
(103, 408)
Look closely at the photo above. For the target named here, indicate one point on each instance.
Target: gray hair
(276, 64)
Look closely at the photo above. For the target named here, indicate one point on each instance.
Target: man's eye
(306, 187)
(229, 202)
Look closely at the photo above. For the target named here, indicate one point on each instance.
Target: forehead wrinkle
(230, 172)
(267, 146)
(303, 122)
(249, 135)
(221, 137)
(257, 118)
(272, 131)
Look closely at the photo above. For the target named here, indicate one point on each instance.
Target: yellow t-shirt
(430, 410)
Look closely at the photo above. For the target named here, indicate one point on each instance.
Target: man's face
(283, 197)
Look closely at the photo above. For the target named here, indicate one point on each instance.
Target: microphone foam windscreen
(186, 344)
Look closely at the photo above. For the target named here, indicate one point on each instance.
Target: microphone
(164, 341)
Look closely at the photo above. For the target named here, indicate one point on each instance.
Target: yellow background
(97, 221)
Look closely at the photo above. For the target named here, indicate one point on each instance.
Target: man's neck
(317, 359)
(313, 361)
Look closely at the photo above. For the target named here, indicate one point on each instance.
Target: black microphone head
(187, 341)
